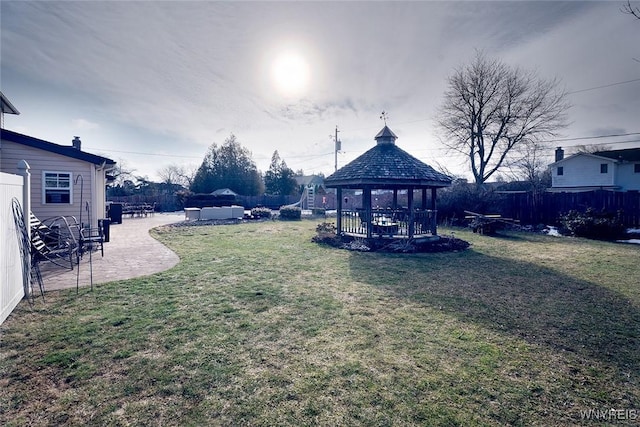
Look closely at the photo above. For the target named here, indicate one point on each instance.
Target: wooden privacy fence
(546, 208)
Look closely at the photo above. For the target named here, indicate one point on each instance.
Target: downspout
(94, 207)
(100, 209)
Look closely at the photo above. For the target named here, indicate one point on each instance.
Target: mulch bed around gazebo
(326, 234)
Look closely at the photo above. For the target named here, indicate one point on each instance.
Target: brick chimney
(76, 142)
(559, 154)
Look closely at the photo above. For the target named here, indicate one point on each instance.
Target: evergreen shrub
(593, 225)
(261, 212)
(290, 213)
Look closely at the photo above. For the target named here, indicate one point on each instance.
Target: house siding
(584, 171)
(627, 178)
(40, 161)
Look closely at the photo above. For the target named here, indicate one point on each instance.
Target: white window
(57, 187)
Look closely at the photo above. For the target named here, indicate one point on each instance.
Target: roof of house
(224, 192)
(64, 150)
(629, 154)
(385, 166)
(6, 106)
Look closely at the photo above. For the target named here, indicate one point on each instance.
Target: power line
(143, 154)
(593, 137)
(578, 138)
(310, 156)
(603, 86)
(313, 156)
(613, 143)
(568, 93)
(317, 156)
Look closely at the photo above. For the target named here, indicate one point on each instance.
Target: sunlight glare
(290, 73)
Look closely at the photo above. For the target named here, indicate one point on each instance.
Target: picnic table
(139, 210)
(487, 223)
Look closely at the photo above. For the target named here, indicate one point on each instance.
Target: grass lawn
(259, 326)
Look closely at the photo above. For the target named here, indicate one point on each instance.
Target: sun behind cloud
(290, 73)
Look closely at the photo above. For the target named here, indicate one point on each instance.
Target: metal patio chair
(54, 240)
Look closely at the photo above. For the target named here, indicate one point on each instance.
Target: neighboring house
(6, 107)
(224, 192)
(58, 174)
(617, 170)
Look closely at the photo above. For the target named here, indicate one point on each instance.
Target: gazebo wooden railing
(394, 223)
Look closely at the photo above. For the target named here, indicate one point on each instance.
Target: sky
(155, 83)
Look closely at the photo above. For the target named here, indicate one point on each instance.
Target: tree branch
(630, 10)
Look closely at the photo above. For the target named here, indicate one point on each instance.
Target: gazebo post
(424, 220)
(395, 198)
(411, 213)
(434, 221)
(339, 210)
(366, 204)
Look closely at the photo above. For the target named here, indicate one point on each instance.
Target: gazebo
(388, 168)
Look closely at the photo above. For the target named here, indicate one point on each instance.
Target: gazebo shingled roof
(386, 165)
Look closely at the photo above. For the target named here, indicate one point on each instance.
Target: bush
(261, 212)
(326, 233)
(290, 213)
(318, 212)
(592, 225)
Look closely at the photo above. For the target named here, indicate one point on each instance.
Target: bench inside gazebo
(388, 167)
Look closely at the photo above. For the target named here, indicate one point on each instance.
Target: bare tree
(122, 172)
(532, 166)
(177, 174)
(631, 10)
(443, 169)
(491, 110)
(588, 149)
(169, 174)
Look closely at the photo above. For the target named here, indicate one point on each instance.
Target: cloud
(84, 124)
(174, 77)
(308, 111)
(608, 131)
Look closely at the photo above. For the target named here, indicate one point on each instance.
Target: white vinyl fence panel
(11, 286)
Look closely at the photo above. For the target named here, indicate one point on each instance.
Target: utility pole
(338, 146)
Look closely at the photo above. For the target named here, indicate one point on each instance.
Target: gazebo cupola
(386, 168)
(386, 136)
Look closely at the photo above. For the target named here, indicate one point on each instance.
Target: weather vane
(384, 116)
